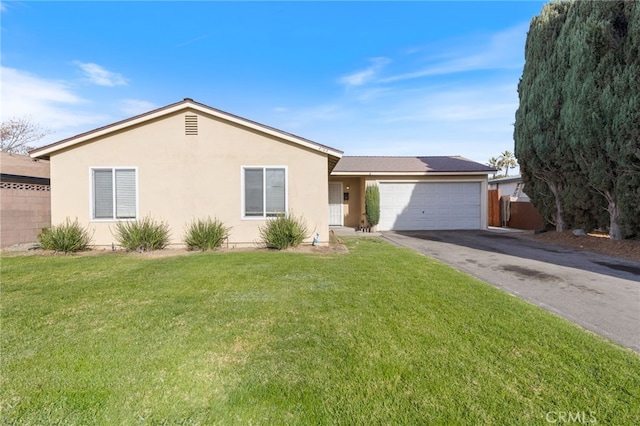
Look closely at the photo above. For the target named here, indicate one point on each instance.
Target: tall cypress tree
(628, 188)
(600, 117)
(539, 144)
(577, 125)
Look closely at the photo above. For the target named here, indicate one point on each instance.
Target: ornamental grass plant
(68, 237)
(284, 232)
(205, 234)
(145, 234)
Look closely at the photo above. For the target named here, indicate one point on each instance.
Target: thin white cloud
(49, 103)
(130, 107)
(18, 85)
(470, 103)
(294, 119)
(384, 113)
(193, 40)
(399, 107)
(502, 50)
(101, 76)
(370, 94)
(368, 74)
(472, 120)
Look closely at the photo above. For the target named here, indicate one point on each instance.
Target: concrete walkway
(343, 231)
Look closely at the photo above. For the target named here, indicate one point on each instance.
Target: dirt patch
(336, 246)
(594, 242)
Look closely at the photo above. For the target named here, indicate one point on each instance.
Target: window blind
(125, 193)
(275, 192)
(253, 192)
(103, 194)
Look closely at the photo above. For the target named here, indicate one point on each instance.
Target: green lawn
(377, 336)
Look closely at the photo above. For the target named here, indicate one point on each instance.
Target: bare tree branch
(17, 135)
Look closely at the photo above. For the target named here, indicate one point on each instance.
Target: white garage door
(426, 206)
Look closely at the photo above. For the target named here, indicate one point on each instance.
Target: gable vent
(190, 125)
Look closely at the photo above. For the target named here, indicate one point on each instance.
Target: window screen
(114, 194)
(264, 191)
(253, 192)
(274, 179)
(103, 194)
(125, 194)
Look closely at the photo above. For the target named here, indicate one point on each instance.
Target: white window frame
(264, 191)
(113, 169)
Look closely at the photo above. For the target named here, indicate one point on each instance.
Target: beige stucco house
(187, 161)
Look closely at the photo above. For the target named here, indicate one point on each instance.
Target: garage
(430, 206)
(416, 193)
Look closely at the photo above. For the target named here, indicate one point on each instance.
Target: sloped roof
(23, 165)
(409, 165)
(187, 103)
(507, 179)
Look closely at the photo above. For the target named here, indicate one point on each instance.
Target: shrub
(142, 235)
(205, 234)
(372, 204)
(67, 237)
(284, 232)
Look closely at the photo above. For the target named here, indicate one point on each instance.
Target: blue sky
(368, 78)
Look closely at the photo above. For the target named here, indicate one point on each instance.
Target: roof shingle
(436, 164)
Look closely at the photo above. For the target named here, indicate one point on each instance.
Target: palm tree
(507, 161)
(494, 163)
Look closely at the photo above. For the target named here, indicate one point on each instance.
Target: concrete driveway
(600, 293)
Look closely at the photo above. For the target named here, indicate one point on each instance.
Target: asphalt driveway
(600, 293)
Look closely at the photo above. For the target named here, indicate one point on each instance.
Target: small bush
(372, 204)
(205, 234)
(284, 232)
(142, 235)
(68, 237)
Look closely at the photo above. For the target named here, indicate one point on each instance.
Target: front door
(335, 203)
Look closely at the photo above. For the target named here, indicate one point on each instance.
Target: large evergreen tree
(601, 111)
(577, 125)
(539, 146)
(627, 120)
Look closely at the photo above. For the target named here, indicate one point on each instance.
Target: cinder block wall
(26, 209)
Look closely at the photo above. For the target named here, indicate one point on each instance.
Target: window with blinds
(265, 192)
(114, 193)
(274, 192)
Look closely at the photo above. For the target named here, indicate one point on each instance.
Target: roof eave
(46, 151)
(400, 173)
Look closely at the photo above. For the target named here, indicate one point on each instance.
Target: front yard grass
(381, 335)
